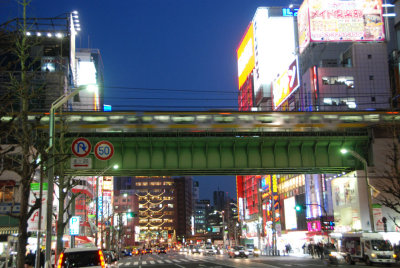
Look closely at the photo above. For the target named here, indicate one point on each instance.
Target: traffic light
(131, 214)
(298, 208)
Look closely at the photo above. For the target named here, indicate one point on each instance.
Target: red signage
(81, 147)
(104, 150)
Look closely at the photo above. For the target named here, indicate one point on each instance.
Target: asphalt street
(173, 260)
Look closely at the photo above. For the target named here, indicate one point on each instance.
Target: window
(7, 193)
(155, 183)
(369, 56)
(371, 77)
(170, 205)
(350, 102)
(373, 99)
(338, 80)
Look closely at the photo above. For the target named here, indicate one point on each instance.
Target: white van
(366, 247)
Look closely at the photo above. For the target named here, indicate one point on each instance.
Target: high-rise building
(219, 199)
(200, 212)
(165, 207)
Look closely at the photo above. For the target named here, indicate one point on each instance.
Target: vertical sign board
(74, 225)
(33, 222)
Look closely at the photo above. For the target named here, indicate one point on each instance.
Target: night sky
(162, 54)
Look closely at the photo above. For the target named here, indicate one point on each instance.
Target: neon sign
(289, 12)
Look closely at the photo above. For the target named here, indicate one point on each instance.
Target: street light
(51, 164)
(50, 188)
(364, 162)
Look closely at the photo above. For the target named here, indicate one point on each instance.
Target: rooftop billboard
(245, 55)
(340, 20)
(274, 49)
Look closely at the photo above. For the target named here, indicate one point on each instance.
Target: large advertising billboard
(340, 20)
(245, 55)
(286, 84)
(274, 47)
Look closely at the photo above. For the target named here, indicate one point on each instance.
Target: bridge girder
(230, 154)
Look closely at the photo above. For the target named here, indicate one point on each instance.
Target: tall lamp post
(97, 203)
(54, 106)
(364, 162)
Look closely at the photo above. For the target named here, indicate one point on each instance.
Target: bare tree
(23, 147)
(388, 184)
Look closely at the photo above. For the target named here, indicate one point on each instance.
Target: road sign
(104, 150)
(81, 147)
(74, 225)
(81, 163)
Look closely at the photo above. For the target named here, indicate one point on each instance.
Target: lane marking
(136, 263)
(152, 262)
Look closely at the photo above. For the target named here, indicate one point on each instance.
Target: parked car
(82, 257)
(162, 250)
(196, 250)
(238, 251)
(256, 252)
(250, 248)
(209, 250)
(148, 251)
(135, 252)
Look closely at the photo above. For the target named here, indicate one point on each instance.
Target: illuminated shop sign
(245, 56)
(286, 84)
(289, 12)
(339, 20)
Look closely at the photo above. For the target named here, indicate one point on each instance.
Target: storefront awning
(8, 230)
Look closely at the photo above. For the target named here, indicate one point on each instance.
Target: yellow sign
(245, 56)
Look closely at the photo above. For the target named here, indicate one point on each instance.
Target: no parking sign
(104, 150)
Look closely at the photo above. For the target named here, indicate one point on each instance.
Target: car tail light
(103, 264)
(60, 260)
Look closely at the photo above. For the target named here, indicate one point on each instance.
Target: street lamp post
(51, 166)
(364, 162)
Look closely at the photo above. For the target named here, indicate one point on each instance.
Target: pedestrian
(288, 248)
(29, 260)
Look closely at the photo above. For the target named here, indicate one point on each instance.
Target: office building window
(338, 80)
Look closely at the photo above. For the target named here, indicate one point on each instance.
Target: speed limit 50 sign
(104, 150)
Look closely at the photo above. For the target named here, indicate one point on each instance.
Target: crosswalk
(152, 262)
(144, 262)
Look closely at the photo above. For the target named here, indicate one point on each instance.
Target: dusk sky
(161, 54)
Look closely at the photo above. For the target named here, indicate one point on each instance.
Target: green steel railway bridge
(205, 143)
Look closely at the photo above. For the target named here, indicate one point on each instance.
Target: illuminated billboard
(286, 84)
(340, 20)
(245, 56)
(274, 45)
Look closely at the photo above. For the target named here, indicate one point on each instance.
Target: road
(174, 260)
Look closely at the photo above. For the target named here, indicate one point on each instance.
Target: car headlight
(373, 255)
(200, 250)
(214, 251)
(394, 256)
(246, 252)
(236, 252)
(333, 254)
